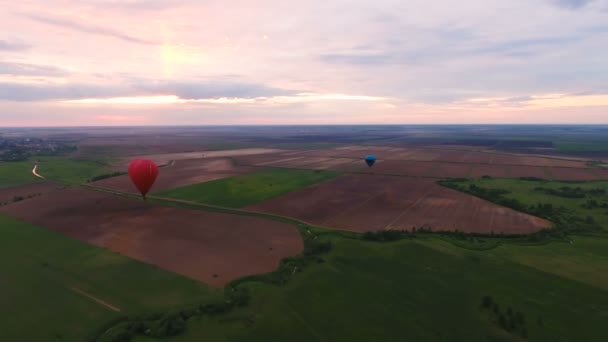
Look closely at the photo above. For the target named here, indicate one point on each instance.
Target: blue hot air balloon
(370, 160)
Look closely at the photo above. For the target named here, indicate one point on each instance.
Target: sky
(208, 62)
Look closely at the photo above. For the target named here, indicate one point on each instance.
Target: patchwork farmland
(374, 202)
(189, 242)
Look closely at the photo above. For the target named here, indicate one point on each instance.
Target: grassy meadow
(426, 289)
(240, 191)
(43, 272)
(58, 169)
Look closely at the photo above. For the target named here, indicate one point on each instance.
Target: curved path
(36, 173)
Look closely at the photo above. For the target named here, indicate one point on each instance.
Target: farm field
(8, 194)
(58, 169)
(438, 298)
(181, 173)
(363, 203)
(240, 191)
(533, 192)
(16, 173)
(50, 280)
(76, 257)
(166, 158)
(165, 236)
(418, 162)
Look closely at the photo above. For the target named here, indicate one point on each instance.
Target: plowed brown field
(480, 170)
(183, 172)
(451, 170)
(211, 247)
(527, 171)
(562, 173)
(373, 202)
(7, 194)
(477, 157)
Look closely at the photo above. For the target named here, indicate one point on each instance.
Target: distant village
(20, 149)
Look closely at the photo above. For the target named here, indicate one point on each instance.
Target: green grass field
(566, 146)
(58, 169)
(70, 171)
(523, 191)
(244, 190)
(425, 290)
(16, 173)
(40, 269)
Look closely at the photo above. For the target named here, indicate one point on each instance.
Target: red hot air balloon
(143, 173)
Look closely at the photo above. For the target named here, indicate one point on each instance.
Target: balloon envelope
(370, 160)
(143, 173)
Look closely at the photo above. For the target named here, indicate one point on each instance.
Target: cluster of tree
(18, 198)
(511, 321)
(596, 163)
(570, 192)
(564, 219)
(161, 325)
(593, 203)
(395, 234)
(385, 235)
(532, 179)
(314, 248)
(105, 176)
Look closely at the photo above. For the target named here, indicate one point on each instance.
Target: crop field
(528, 171)
(165, 236)
(560, 194)
(251, 188)
(59, 289)
(59, 169)
(480, 170)
(71, 171)
(181, 173)
(16, 173)
(24, 191)
(566, 146)
(373, 202)
(451, 170)
(166, 158)
(389, 253)
(427, 163)
(560, 173)
(439, 296)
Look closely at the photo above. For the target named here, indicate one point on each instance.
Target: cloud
(126, 92)
(207, 89)
(172, 99)
(8, 46)
(24, 69)
(572, 4)
(22, 92)
(87, 28)
(361, 58)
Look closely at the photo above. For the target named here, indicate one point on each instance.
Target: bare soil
(7, 194)
(480, 170)
(562, 173)
(527, 171)
(214, 248)
(165, 158)
(373, 202)
(181, 173)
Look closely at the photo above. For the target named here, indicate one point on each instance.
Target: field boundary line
(95, 299)
(354, 207)
(210, 207)
(388, 226)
